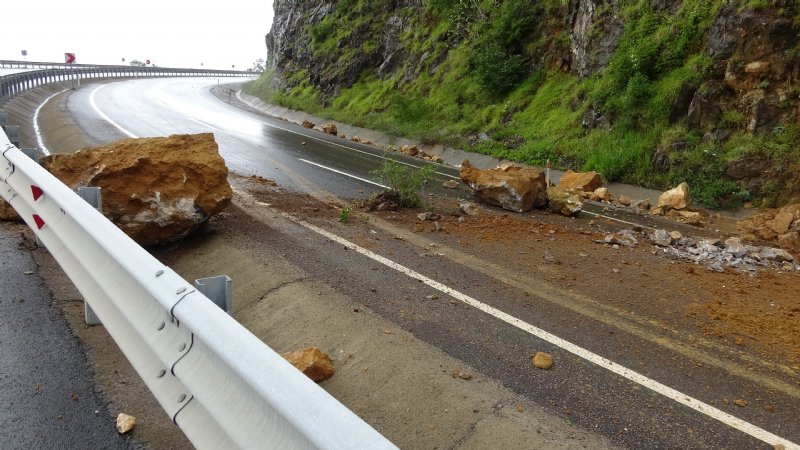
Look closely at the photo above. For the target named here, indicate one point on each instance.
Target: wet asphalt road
(630, 414)
(47, 397)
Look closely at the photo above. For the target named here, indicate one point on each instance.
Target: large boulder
(156, 190)
(581, 181)
(511, 187)
(675, 198)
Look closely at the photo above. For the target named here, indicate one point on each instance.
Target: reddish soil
(759, 314)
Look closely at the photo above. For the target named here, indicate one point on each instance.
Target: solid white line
(343, 173)
(103, 115)
(36, 130)
(605, 363)
(618, 220)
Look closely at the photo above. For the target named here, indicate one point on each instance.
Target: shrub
(404, 182)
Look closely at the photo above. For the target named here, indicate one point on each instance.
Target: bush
(404, 182)
(495, 70)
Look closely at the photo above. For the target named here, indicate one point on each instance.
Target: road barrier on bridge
(11, 85)
(219, 383)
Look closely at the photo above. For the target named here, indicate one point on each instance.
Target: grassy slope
(487, 83)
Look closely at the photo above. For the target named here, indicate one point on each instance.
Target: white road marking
(695, 404)
(343, 173)
(103, 115)
(36, 130)
(617, 220)
(239, 96)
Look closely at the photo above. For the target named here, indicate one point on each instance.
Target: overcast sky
(170, 33)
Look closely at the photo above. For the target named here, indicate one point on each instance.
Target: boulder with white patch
(156, 190)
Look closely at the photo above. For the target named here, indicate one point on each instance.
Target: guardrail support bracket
(218, 289)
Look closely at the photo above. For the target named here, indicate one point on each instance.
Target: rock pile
(717, 254)
(511, 187)
(413, 150)
(777, 226)
(156, 190)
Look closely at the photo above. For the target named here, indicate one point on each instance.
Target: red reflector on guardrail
(37, 192)
(39, 221)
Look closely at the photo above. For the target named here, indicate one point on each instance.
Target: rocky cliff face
(718, 78)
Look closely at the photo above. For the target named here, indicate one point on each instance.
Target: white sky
(170, 33)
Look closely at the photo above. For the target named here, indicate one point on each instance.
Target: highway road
(633, 379)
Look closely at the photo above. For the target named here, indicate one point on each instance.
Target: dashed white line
(693, 403)
(343, 173)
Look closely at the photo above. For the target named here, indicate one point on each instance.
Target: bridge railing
(220, 384)
(11, 85)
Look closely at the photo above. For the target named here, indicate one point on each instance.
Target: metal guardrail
(11, 85)
(217, 381)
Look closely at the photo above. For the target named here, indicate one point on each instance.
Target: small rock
(550, 258)
(458, 373)
(741, 402)
(424, 216)
(542, 360)
(781, 223)
(308, 124)
(314, 363)
(329, 128)
(469, 208)
(624, 200)
(776, 254)
(734, 246)
(564, 202)
(451, 184)
(661, 238)
(601, 194)
(437, 226)
(615, 270)
(644, 205)
(387, 206)
(676, 235)
(125, 423)
(410, 150)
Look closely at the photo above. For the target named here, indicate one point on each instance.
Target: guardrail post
(94, 197)
(218, 289)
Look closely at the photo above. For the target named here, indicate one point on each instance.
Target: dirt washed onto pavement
(759, 314)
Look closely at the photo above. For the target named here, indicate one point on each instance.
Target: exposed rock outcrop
(156, 190)
(595, 31)
(511, 187)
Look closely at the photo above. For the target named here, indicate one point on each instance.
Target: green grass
(496, 75)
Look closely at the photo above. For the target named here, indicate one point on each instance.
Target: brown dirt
(759, 314)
